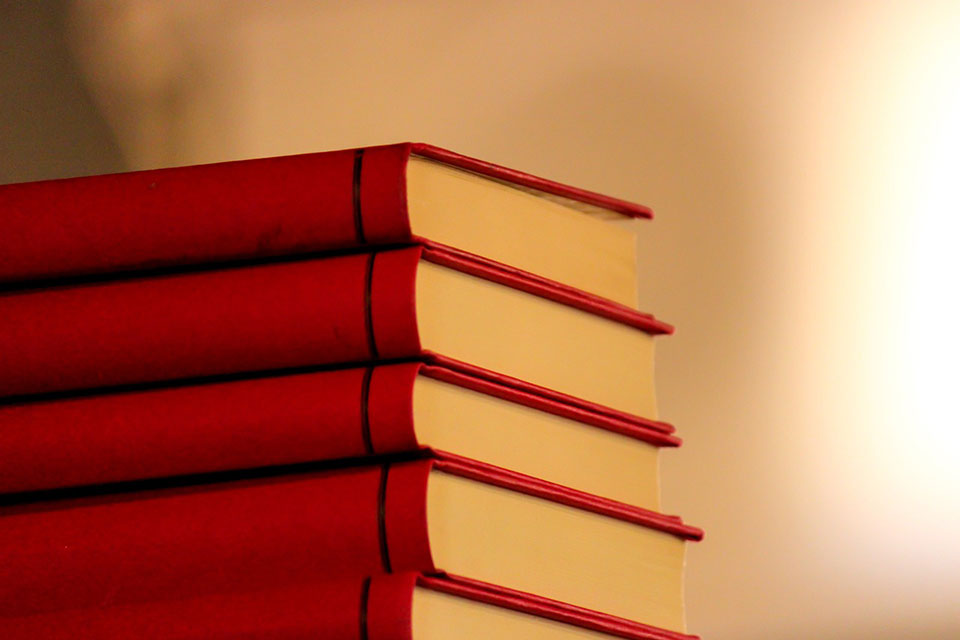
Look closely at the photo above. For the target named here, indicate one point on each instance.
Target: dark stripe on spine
(365, 411)
(382, 519)
(357, 210)
(364, 603)
(368, 308)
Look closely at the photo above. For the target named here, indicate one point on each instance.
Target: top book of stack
(561, 240)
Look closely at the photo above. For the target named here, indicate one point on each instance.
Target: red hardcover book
(396, 194)
(323, 415)
(406, 303)
(374, 608)
(431, 515)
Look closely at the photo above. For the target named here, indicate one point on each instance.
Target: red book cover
(371, 608)
(230, 211)
(337, 609)
(273, 533)
(241, 424)
(311, 312)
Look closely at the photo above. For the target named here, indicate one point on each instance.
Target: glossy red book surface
(304, 313)
(371, 608)
(229, 211)
(271, 533)
(241, 424)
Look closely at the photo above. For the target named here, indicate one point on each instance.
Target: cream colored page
(534, 339)
(485, 217)
(536, 443)
(440, 616)
(535, 545)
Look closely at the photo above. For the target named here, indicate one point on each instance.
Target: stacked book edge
(390, 392)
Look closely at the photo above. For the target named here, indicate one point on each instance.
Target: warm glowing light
(930, 338)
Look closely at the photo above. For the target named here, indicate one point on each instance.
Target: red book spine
(187, 215)
(242, 424)
(206, 428)
(312, 312)
(193, 542)
(375, 608)
(230, 211)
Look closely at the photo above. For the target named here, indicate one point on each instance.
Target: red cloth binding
(118, 437)
(393, 303)
(405, 516)
(183, 215)
(390, 408)
(327, 610)
(193, 542)
(383, 194)
(179, 326)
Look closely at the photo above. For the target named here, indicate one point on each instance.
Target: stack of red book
(379, 393)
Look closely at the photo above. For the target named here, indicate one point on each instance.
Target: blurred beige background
(802, 160)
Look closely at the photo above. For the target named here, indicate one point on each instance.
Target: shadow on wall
(51, 127)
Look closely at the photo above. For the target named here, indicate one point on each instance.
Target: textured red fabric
(242, 424)
(232, 320)
(186, 543)
(394, 309)
(329, 610)
(390, 408)
(405, 508)
(383, 194)
(182, 215)
(389, 606)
